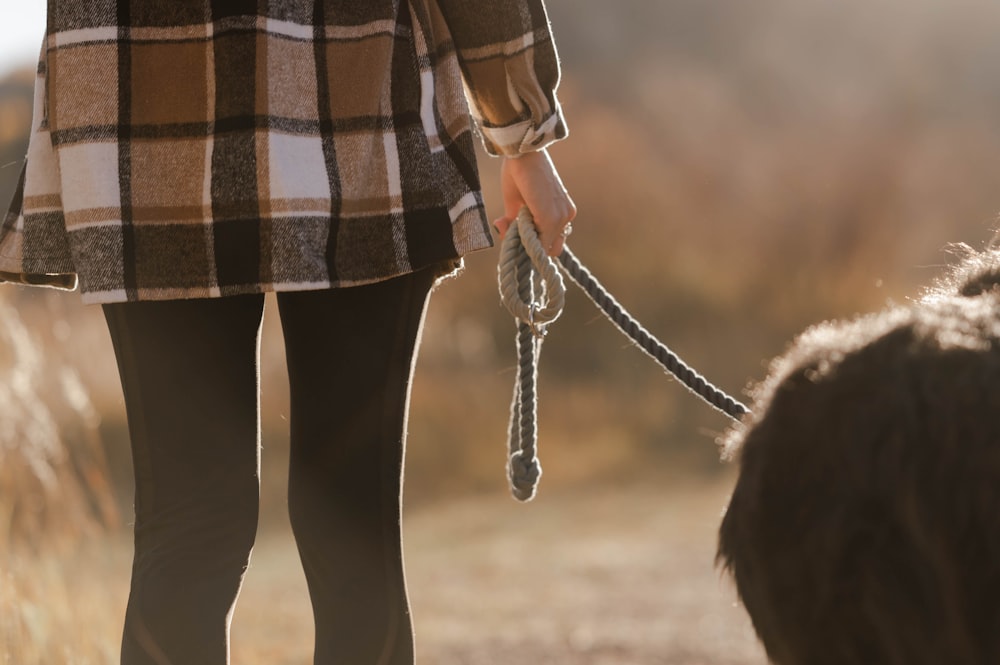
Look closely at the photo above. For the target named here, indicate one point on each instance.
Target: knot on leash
(523, 473)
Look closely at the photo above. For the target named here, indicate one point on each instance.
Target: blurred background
(742, 171)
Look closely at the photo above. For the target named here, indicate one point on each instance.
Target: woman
(188, 157)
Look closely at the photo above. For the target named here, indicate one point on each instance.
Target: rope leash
(533, 291)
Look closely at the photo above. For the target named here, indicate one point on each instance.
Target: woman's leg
(350, 355)
(189, 374)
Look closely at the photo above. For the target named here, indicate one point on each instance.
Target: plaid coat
(202, 148)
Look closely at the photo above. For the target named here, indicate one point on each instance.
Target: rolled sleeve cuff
(60, 281)
(524, 137)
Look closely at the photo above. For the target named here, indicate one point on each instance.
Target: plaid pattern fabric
(213, 147)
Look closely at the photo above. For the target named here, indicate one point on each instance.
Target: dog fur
(864, 528)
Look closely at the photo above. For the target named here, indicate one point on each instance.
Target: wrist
(528, 156)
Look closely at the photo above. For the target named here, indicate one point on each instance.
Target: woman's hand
(532, 180)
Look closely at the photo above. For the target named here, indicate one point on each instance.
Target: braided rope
(524, 265)
(533, 291)
(653, 347)
(523, 468)
(522, 249)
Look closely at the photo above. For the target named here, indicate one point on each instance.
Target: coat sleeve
(510, 69)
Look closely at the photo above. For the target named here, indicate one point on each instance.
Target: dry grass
(52, 467)
(55, 495)
(64, 607)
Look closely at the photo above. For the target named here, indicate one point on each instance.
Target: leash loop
(533, 291)
(522, 258)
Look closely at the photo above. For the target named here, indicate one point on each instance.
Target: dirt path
(621, 577)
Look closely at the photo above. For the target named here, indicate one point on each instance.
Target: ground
(615, 577)
(621, 576)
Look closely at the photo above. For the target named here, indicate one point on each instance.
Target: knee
(213, 528)
(225, 527)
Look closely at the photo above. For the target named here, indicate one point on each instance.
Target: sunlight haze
(744, 170)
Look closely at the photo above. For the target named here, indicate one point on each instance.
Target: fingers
(557, 248)
(502, 224)
(553, 241)
(555, 227)
(560, 243)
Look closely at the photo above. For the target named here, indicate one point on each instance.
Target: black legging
(190, 379)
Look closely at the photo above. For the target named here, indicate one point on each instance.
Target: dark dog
(864, 528)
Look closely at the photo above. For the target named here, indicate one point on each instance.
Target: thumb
(502, 224)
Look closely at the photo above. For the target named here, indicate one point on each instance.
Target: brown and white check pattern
(214, 147)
